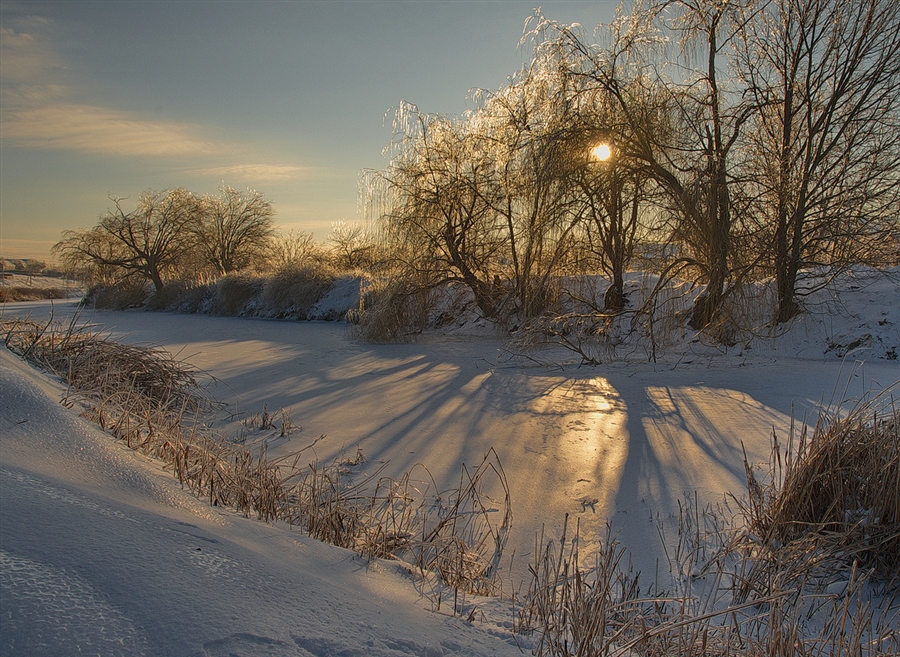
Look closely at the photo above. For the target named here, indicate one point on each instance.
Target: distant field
(21, 287)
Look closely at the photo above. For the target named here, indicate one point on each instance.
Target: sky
(291, 98)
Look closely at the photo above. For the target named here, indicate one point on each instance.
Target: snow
(102, 553)
(91, 529)
(40, 282)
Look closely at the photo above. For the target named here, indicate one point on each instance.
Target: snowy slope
(101, 553)
(619, 443)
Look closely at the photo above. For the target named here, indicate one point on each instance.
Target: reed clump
(837, 490)
(391, 310)
(293, 290)
(807, 566)
(155, 405)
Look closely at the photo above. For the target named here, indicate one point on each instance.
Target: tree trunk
(614, 299)
(156, 279)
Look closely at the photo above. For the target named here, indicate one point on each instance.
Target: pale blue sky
(290, 97)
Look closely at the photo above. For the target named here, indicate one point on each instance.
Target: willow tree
(440, 180)
(825, 76)
(537, 140)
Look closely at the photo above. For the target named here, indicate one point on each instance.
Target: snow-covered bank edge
(220, 582)
(697, 602)
(848, 314)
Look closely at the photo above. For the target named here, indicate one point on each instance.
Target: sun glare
(601, 152)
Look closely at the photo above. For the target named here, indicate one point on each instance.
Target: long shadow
(635, 438)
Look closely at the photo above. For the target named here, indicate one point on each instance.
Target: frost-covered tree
(761, 136)
(236, 229)
(613, 192)
(296, 248)
(147, 241)
(538, 143)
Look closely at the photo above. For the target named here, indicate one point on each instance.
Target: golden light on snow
(601, 152)
(588, 440)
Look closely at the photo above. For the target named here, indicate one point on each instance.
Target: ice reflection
(590, 416)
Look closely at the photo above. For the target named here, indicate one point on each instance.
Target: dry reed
(153, 404)
(837, 491)
(808, 567)
(12, 293)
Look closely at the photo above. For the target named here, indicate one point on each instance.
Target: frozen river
(620, 442)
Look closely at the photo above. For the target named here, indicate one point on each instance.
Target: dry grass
(106, 371)
(600, 610)
(279, 421)
(11, 293)
(153, 404)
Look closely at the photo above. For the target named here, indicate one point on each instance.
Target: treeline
(736, 141)
(178, 236)
(218, 253)
(712, 143)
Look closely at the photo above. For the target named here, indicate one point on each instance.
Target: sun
(601, 152)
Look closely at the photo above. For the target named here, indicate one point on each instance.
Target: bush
(233, 294)
(193, 298)
(9, 294)
(391, 311)
(293, 291)
(168, 297)
(117, 296)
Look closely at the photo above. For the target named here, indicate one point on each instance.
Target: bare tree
(825, 76)
(613, 193)
(293, 249)
(353, 247)
(439, 178)
(236, 229)
(673, 119)
(147, 241)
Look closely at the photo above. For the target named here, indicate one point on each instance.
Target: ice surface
(619, 443)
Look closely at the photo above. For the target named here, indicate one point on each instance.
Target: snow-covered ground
(39, 282)
(101, 553)
(85, 522)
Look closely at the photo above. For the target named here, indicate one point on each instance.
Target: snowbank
(102, 553)
(620, 443)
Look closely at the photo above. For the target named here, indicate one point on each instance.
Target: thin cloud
(103, 131)
(40, 111)
(257, 173)
(25, 56)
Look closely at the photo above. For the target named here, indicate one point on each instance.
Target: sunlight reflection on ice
(593, 443)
